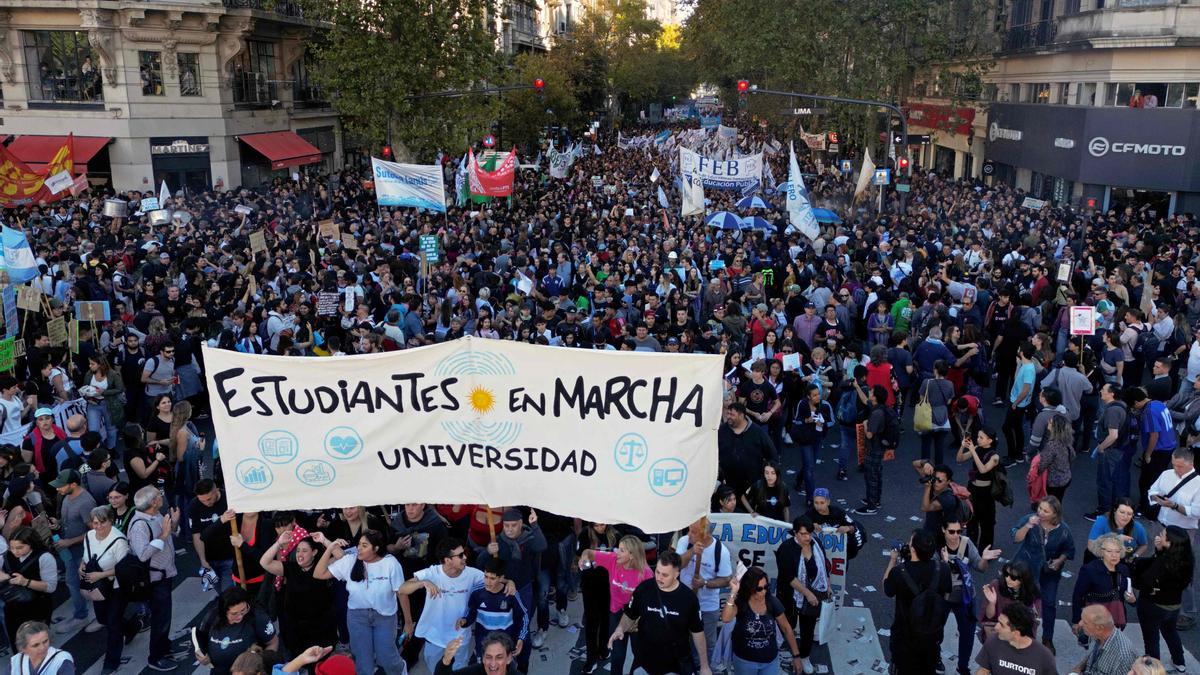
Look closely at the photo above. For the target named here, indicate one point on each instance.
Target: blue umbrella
(758, 223)
(724, 220)
(826, 216)
(751, 202)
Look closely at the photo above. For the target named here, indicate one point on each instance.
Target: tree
(525, 113)
(375, 55)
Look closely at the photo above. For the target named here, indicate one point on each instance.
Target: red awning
(37, 151)
(283, 148)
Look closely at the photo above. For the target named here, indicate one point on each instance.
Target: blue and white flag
(662, 198)
(693, 196)
(800, 211)
(18, 257)
(417, 185)
(460, 181)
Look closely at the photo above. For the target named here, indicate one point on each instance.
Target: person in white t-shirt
(12, 408)
(373, 582)
(448, 587)
(703, 553)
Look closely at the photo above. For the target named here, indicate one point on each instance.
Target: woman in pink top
(626, 569)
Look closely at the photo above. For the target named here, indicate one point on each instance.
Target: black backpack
(926, 611)
(133, 573)
(1145, 347)
(891, 429)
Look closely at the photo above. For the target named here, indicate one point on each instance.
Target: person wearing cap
(38, 447)
(72, 524)
(520, 547)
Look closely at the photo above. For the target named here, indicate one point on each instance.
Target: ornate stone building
(202, 93)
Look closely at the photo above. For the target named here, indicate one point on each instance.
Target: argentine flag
(18, 257)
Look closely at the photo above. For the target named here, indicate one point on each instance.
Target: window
(1181, 95)
(254, 74)
(304, 90)
(1064, 93)
(189, 74)
(1122, 92)
(990, 92)
(1039, 93)
(61, 67)
(1014, 93)
(1087, 93)
(150, 70)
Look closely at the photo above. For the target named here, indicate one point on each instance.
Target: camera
(926, 480)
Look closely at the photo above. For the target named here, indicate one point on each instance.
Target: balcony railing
(1029, 36)
(281, 7)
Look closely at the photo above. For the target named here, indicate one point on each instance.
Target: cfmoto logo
(992, 131)
(1098, 147)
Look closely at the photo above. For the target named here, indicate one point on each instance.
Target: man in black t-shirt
(743, 449)
(937, 499)
(912, 650)
(215, 551)
(668, 612)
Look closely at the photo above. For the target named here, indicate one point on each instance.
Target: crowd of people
(898, 322)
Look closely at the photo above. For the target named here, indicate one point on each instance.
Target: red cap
(338, 664)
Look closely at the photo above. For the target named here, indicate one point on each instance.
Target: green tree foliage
(526, 113)
(377, 53)
(866, 49)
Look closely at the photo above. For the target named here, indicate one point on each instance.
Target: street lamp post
(754, 89)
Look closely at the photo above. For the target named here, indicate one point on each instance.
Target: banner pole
(237, 555)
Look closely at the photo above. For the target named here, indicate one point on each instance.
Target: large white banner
(416, 185)
(605, 436)
(722, 174)
(751, 540)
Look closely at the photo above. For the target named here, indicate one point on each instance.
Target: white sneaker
(539, 639)
(93, 627)
(563, 619)
(808, 667)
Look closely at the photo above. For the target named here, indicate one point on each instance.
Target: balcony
(1133, 23)
(1029, 36)
(286, 8)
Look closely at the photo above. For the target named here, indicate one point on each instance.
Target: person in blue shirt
(1120, 521)
(1158, 441)
(1019, 398)
(491, 609)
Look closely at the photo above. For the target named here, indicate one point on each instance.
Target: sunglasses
(953, 531)
(762, 588)
(1012, 576)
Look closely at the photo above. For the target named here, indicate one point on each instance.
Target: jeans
(224, 572)
(964, 618)
(712, 628)
(373, 642)
(99, 421)
(1112, 476)
(934, 441)
(873, 474)
(616, 659)
(848, 447)
(1048, 582)
(71, 559)
(160, 620)
(556, 574)
(1014, 432)
(431, 654)
(808, 463)
(744, 667)
(1156, 621)
(108, 614)
(525, 595)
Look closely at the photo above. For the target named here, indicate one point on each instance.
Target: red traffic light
(904, 164)
(833, 137)
(539, 84)
(386, 152)
(743, 86)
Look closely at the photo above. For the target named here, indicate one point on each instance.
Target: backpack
(847, 407)
(891, 429)
(1145, 347)
(960, 566)
(966, 510)
(74, 460)
(133, 573)
(926, 617)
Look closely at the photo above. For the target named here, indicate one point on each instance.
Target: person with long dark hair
(28, 577)
(756, 613)
(983, 454)
(768, 497)
(593, 586)
(803, 584)
(232, 628)
(1120, 521)
(1160, 580)
(371, 608)
(1015, 584)
(306, 616)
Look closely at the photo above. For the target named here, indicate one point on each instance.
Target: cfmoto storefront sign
(995, 131)
(1101, 146)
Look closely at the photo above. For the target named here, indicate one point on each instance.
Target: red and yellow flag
(20, 185)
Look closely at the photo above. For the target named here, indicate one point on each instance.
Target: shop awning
(37, 151)
(283, 148)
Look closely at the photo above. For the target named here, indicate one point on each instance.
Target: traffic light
(386, 152)
(539, 87)
(743, 89)
(833, 137)
(903, 165)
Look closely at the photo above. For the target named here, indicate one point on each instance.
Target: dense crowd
(897, 322)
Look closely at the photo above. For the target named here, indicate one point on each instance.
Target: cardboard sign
(73, 337)
(327, 304)
(29, 298)
(791, 361)
(349, 241)
(18, 348)
(1064, 272)
(56, 329)
(258, 242)
(92, 310)
(1083, 320)
(327, 228)
(597, 181)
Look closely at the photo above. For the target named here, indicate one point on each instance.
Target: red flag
(19, 185)
(498, 183)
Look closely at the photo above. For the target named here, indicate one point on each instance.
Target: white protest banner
(750, 539)
(416, 185)
(62, 412)
(59, 182)
(1032, 203)
(727, 174)
(1083, 320)
(834, 545)
(472, 421)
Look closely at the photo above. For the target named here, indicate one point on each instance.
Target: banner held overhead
(586, 434)
(416, 185)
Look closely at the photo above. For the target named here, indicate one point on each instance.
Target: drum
(116, 208)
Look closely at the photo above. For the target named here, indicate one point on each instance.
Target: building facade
(1089, 102)
(200, 93)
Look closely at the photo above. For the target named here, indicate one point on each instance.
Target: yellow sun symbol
(482, 399)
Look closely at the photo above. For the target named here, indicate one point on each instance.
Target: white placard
(1083, 320)
(472, 421)
(59, 182)
(243, 209)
